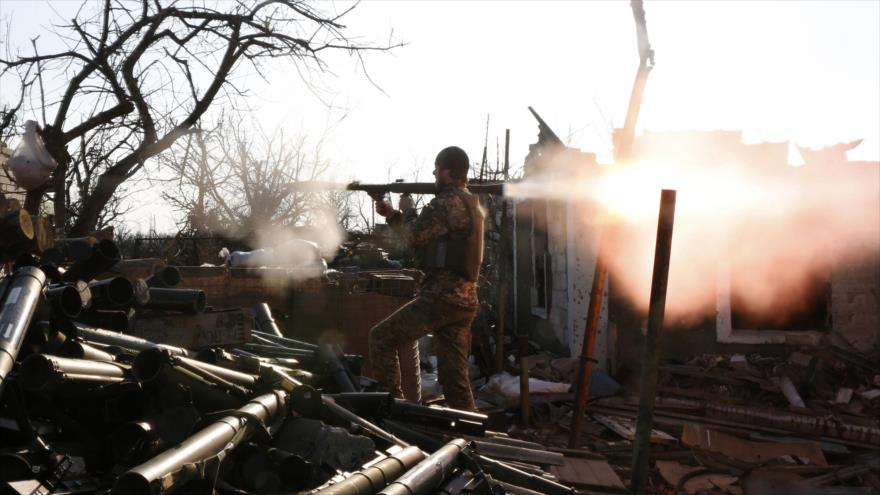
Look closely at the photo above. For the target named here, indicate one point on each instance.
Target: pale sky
(806, 71)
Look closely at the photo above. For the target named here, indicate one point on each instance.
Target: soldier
(448, 239)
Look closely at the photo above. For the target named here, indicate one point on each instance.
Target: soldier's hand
(383, 208)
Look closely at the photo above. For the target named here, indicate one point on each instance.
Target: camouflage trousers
(410, 371)
(394, 340)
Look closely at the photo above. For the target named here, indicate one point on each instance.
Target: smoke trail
(775, 230)
(301, 250)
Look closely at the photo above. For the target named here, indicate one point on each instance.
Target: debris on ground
(131, 385)
(727, 423)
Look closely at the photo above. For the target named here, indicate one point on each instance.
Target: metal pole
(656, 310)
(506, 154)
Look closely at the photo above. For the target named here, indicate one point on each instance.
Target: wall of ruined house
(558, 317)
(854, 290)
(548, 330)
(855, 302)
(573, 245)
(582, 246)
(854, 307)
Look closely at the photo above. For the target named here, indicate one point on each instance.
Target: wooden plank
(676, 419)
(588, 474)
(210, 329)
(698, 436)
(625, 427)
(672, 472)
(582, 453)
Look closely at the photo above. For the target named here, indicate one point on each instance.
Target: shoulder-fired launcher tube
(212, 387)
(80, 350)
(429, 474)
(43, 370)
(263, 315)
(166, 277)
(245, 364)
(103, 255)
(376, 190)
(381, 405)
(19, 302)
(287, 342)
(496, 188)
(183, 300)
(188, 461)
(112, 293)
(108, 337)
(499, 470)
(377, 475)
(289, 384)
(117, 321)
(65, 300)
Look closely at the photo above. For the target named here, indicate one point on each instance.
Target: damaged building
(555, 254)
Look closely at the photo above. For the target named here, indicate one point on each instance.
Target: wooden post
(623, 145)
(586, 360)
(499, 335)
(656, 311)
(525, 412)
(502, 265)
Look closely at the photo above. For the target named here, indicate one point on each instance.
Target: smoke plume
(300, 249)
(773, 231)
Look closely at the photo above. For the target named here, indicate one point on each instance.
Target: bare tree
(148, 73)
(233, 181)
(87, 159)
(364, 220)
(341, 205)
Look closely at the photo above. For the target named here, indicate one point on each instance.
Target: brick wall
(556, 226)
(307, 309)
(227, 288)
(855, 303)
(7, 186)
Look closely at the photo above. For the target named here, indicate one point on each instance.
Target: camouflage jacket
(446, 216)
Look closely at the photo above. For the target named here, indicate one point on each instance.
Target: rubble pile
(127, 385)
(807, 421)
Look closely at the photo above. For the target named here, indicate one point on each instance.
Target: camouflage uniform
(446, 306)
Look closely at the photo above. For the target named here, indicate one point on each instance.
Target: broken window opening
(540, 290)
(805, 304)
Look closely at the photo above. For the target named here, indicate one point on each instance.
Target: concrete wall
(548, 330)
(582, 246)
(558, 317)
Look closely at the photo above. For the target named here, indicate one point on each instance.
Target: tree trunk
(53, 138)
(96, 202)
(33, 199)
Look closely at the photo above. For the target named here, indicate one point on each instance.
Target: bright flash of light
(778, 229)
